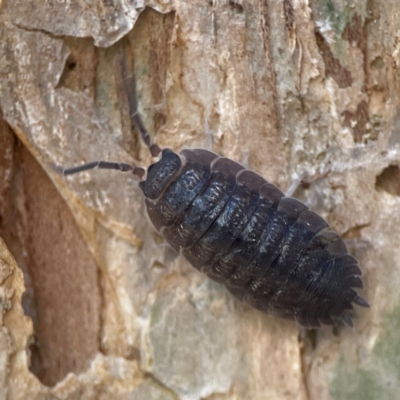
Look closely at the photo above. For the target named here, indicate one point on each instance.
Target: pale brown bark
(292, 88)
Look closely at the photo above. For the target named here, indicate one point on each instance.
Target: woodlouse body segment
(270, 251)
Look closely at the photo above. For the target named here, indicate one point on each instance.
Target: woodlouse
(271, 251)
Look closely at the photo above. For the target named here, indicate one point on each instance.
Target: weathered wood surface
(291, 88)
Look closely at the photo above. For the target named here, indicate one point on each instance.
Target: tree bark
(94, 305)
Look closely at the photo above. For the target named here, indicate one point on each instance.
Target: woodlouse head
(160, 174)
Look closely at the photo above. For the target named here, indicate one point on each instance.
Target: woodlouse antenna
(129, 87)
(130, 90)
(138, 171)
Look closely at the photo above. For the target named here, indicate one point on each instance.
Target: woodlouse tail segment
(129, 84)
(138, 171)
(361, 302)
(346, 319)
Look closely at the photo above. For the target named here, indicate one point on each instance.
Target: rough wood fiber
(289, 87)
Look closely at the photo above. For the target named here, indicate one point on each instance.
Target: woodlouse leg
(305, 181)
(208, 142)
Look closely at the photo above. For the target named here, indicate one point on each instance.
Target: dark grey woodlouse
(270, 251)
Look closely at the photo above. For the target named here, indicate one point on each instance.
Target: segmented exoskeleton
(270, 251)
